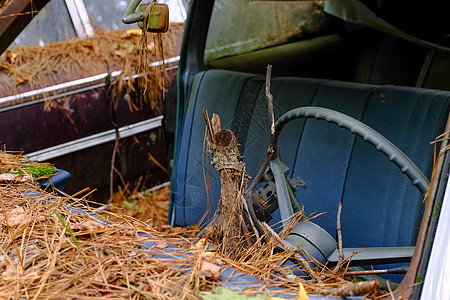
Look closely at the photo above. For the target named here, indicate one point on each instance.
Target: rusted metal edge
(408, 283)
(15, 16)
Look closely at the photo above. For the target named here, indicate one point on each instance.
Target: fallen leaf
(11, 57)
(16, 217)
(134, 31)
(88, 225)
(129, 46)
(160, 244)
(88, 44)
(222, 293)
(120, 53)
(151, 46)
(210, 271)
(20, 80)
(14, 178)
(302, 293)
(177, 230)
(199, 245)
(208, 254)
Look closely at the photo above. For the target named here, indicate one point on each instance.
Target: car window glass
(239, 26)
(110, 16)
(51, 25)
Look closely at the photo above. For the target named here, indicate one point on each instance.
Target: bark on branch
(225, 157)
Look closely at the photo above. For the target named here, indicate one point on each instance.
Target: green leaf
(130, 205)
(62, 220)
(36, 170)
(304, 27)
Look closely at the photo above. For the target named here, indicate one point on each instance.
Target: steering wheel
(312, 236)
(368, 134)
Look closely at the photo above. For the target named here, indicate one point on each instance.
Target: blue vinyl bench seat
(380, 205)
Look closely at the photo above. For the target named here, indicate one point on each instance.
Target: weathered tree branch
(339, 233)
(293, 253)
(225, 157)
(351, 289)
(269, 98)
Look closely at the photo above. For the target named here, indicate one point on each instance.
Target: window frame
(80, 20)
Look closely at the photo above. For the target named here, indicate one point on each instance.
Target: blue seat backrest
(380, 205)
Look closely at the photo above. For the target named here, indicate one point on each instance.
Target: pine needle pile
(18, 168)
(48, 251)
(58, 247)
(33, 67)
(151, 207)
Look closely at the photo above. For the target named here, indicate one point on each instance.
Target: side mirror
(158, 20)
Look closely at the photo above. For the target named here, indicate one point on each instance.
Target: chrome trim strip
(60, 95)
(170, 60)
(142, 126)
(76, 20)
(55, 89)
(95, 140)
(71, 87)
(84, 17)
(156, 187)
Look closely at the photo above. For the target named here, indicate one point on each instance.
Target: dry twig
(269, 98)
(351, 289)
(339, 233)
(289, 249)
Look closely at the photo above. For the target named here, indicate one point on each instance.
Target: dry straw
(57, 247)
(49, 250)
(26, 68)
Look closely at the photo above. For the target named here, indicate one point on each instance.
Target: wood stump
(225, 157)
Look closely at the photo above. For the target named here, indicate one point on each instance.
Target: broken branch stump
(227, 160)
(225, 157)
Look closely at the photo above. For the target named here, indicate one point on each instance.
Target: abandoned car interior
(304, 144)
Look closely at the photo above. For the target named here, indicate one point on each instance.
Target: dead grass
(35, 67)
(51, 250)
(57, 247)
(10, 160)
(18, 168)
(56, 253)
(151, 207)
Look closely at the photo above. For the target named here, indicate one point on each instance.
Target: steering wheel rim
(369, 135)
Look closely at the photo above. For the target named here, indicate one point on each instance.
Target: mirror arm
(130, 15)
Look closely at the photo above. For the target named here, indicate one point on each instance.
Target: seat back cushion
(380, 205)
